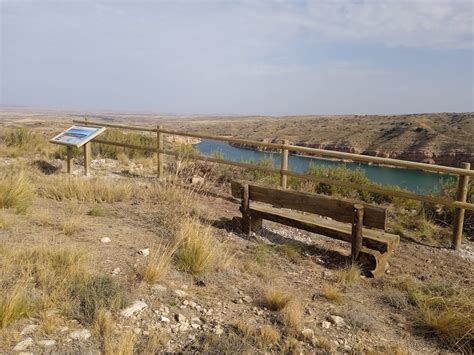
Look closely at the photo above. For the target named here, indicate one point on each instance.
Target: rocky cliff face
(446, 139)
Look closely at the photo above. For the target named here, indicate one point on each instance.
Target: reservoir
(418, 181)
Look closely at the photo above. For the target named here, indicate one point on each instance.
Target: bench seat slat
(374, 239)
(338, 209)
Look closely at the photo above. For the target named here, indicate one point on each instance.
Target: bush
(23, 141)
(93, 294)
(117, 135)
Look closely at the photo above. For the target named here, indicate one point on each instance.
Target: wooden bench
(362, 225)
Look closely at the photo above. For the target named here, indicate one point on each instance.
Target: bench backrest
(338, 209)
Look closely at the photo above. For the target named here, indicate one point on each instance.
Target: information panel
(77, 136)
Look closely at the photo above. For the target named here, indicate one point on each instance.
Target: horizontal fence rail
(460, 204)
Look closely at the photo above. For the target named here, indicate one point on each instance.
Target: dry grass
(198, 250)
(289, 251)
(267, 335)
(98, 189)
(276, 299)
(442, 309)
(73, 223)
(14, 303)
(23, 141)
(292, 315)
(351, 273)
(104, 326)
(42, 278)
(7, 219)
(16, 191)
(42, 218)
(158, 263)
(262, 337)
(156, 343)
(97, 211)
(332, 293)
(125, 345)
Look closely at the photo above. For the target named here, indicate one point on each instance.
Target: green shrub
(117, 135)
(96, 293)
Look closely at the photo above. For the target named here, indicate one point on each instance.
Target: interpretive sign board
(77, 136)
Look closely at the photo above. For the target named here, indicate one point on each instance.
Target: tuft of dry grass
(292, 315)
(267, 335)
(263, 336)
(42, 218)
(276, 299)
(104, 326)
(72, 224)
(14, 303)
(17, 192)
(351, 273)
(445, 310)
(158, 263)
(332, 293)
(125, 345)
(98, 189)
(197, 250)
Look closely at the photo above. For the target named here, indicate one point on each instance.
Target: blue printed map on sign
(77, 136)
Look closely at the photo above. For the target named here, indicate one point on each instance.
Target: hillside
(442, 138)
(124, 263)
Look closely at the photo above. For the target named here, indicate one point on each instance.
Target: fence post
(87, 158)
(69, 159)
(461, 196)
(284, 166)
(356, 242)
(159, 156)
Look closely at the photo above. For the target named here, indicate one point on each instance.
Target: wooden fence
(460, 204)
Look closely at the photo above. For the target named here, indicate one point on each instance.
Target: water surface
(418, 181)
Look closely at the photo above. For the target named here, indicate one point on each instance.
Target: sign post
(77, 136)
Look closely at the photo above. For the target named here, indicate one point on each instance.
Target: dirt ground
(219, 299)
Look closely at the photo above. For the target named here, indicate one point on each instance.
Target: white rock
(247, 299)
(164, 319)
(159, 288)
(105, 240)
(218, 330)
(195, 326)
(137, 331)
(30, 328)
(144, 252)
(48, 343)
(81, 334)
(325, 324)
(180, 293)
(307, 333)
(116, 271)
(137, 306)
(197, 180)
(338, 321)
(23, 345)
(180, 318)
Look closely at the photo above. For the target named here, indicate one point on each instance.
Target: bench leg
(246, 224)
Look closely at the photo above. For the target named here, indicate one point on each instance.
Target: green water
(413, 180)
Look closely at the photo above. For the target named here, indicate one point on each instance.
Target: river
(413, 180)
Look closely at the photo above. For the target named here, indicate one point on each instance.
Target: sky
(239, 57)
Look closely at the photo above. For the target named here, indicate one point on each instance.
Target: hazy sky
(242, 57)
